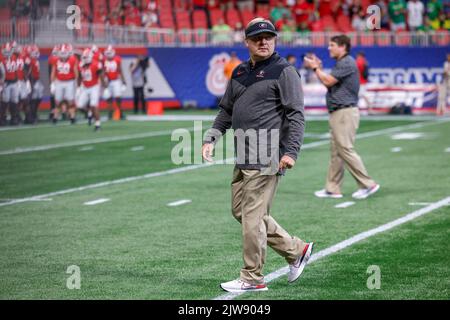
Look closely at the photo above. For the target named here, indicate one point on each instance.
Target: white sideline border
(89, 142)
(349, 242)
(198, 166)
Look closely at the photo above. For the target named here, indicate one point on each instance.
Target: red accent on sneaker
(260, 286)
(305, 249)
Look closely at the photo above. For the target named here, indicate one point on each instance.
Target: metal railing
(45, 32)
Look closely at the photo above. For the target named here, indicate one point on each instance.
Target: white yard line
(194, 167)
(350, 241)
(89, 142)
(396, 149)
(40, 199)
(447, 150)
(88, 148)
(344, 204)
(138, 148)
(98, 201)
(179, 202)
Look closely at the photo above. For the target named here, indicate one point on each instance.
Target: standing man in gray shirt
(263, 103)
(342, 100)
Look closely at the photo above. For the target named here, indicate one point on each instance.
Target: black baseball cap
(260, 27)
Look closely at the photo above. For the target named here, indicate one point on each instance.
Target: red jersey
(10, 68)
(90, 73)
(360, 64)
(98, 56)
(20, 65)
(35, 68)
(65, 70)
(113, 67)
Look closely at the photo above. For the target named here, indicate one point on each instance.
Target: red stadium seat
(199, 19)
(183, 20)
(343, 23)
(441, 38)
(318, 39)
(383, 38)
(263, 12)
(215, 15)
(185, 36)
(200, 36)
(366, 39)
(329, 23)
(23, 28)
(246, 16)
(232, 17)
(84, 6)
(5, 25)
(402, 39)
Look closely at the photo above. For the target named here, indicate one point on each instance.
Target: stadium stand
(158, 21)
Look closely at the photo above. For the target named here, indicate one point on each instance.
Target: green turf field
(135, 246)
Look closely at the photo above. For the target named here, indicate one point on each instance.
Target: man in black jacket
(263, 103)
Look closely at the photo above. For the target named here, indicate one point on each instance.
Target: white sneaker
(325, 194)
(296, 268)
(242, 286)
(364, 193)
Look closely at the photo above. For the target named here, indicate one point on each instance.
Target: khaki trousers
(343, 126)
(444, 89)
(252, 195)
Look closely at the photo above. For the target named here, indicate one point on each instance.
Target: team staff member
(114, 79)
(264, 94)
(342, 100)
(64, 74)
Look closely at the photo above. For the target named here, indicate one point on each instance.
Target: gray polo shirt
(345, 92)
(264, 98)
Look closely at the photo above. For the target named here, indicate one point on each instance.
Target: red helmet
(65, 52)
(87, 56)
(33, 51)
(56, 49)
(110, 52)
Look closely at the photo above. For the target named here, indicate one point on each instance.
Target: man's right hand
(207, 151)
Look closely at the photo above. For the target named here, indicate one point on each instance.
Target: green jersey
(433, 9)
(395, 11)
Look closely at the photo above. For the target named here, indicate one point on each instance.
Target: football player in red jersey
(90, 80)
(37, 88)
(21, 66)
(64, 75)
(115, 81)
(9, 85)
(52, 58)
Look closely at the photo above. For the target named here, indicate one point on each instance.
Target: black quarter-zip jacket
(266, 96)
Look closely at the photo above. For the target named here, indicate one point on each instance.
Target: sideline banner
(194, 76)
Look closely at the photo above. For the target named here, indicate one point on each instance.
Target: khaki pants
(252, 195)
(444, 89)
(343, 126)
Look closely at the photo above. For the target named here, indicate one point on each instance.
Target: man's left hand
(286, 162)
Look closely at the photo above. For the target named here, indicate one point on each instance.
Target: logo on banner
(215, 79)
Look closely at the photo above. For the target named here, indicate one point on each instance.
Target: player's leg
(13, 90)
(70, 97)
(117, 94)
(36, 98)
(94, 103)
